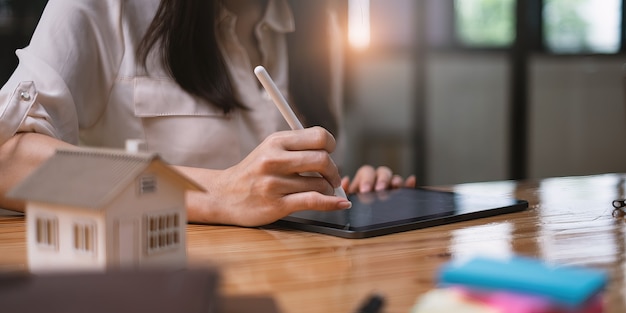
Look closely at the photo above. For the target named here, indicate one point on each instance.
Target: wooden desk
(570, 221)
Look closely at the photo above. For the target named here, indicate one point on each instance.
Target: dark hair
(184, 32)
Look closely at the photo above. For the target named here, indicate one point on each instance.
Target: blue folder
(565, 284)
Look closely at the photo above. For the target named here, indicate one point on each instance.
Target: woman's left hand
(368, 178)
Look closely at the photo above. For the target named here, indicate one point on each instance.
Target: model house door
(128, 243)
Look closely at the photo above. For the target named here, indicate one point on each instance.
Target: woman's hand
(267, 184)
(368, 178)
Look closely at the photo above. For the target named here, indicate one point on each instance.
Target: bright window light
(359, 23)
(485, 23)
(578, 26)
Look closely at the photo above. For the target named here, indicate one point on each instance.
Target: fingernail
(365, 188)
(345, 205)
(380, 186)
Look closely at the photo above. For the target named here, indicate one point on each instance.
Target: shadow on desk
(4, 212)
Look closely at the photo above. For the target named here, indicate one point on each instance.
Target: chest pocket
(162, 97)
(183, 129)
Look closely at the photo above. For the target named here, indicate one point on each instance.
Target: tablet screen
(391, 211)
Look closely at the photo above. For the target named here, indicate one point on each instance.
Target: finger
(410, 182)
(383, 178)
(312, 146)
(296, 184)
(306, 163)
(363, 179)
(314, 138)
(397, 181)
(316, 184)
(316, 162)
(345, 183)
(314, 201)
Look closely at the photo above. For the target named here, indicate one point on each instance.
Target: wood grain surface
(570, 221)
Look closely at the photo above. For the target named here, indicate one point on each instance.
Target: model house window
(163, 232)
(147, 184)
(84, 238)
(47, 232)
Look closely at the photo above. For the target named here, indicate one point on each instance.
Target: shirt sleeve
(64, 75)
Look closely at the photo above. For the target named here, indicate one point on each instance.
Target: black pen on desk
(373, 304)
(284, 108)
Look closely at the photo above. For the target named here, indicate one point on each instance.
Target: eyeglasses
(620, 207)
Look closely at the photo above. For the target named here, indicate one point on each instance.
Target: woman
(178, 75)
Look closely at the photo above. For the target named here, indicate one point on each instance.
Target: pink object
(523, 303)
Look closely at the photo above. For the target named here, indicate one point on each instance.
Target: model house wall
(102, 209)
(51, 242)
(154, 220)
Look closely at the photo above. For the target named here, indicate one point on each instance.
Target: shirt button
(24, 95)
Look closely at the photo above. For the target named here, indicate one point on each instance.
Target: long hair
(184, 33)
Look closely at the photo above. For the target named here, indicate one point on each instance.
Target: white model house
(94, 209)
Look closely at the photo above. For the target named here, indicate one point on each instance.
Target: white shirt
(79, 81)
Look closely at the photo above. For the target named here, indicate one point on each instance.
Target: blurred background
(473, 90)
(466, 90)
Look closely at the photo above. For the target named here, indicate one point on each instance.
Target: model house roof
(91, 178)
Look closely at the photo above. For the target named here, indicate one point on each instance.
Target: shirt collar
(278, 16)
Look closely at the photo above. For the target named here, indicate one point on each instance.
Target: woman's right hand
(267, 185)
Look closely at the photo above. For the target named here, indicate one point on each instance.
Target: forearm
(19, 156)
(203, 206)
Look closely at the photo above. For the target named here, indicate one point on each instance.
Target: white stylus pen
(284, 108)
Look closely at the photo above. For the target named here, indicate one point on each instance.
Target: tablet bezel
(447, 217)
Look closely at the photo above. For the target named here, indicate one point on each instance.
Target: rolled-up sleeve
(64, 76)
(22, 102)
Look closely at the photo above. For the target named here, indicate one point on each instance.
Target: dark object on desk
(248, 304)
(619, 203)
(188, 291)
(619, 206)
(125, 291)
(373, 304)
(392, 211)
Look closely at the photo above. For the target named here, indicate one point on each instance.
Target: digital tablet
(391, 211)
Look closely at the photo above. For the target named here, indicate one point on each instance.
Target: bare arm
(19, 156)
(260, 189)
